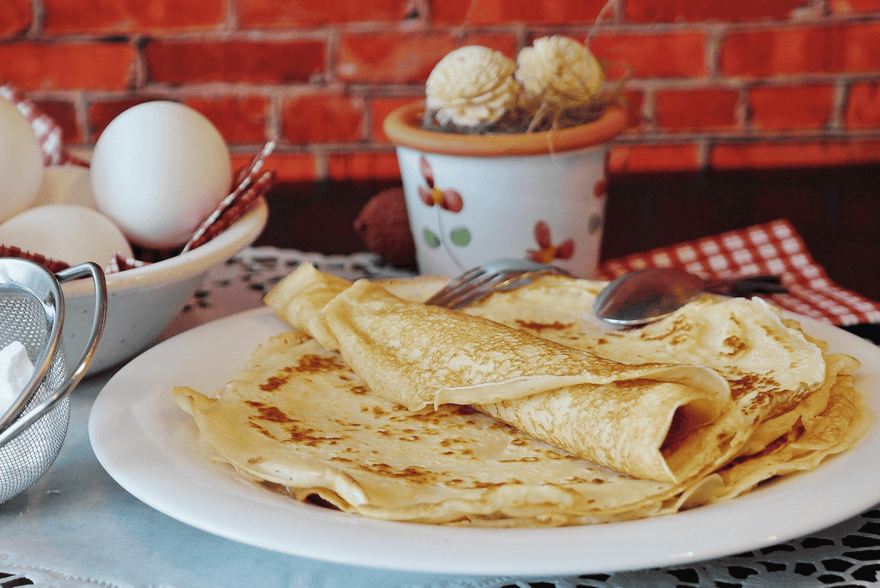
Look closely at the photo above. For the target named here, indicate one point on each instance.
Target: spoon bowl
(648, 295)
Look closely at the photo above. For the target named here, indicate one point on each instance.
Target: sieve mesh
(25, 458)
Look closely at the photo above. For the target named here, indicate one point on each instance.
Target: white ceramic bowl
(142, 302)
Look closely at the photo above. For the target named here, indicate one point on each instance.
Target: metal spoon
(648, 295)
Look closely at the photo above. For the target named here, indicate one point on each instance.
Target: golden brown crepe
(613, 414)
(770, 365)
(302, 419)
(297, 419)
(778, 375)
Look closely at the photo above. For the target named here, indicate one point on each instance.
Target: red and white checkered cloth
(771, 248)
(47, 131)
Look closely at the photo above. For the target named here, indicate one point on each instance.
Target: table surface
(77, 527)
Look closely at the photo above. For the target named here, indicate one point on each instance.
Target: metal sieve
(33, 428)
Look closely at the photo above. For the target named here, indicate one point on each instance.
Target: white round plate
(151, 448)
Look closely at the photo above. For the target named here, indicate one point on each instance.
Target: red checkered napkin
(771, 248)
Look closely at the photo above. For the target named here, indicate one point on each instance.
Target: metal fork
(494, 276)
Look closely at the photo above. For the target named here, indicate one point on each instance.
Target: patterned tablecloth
(77, 528)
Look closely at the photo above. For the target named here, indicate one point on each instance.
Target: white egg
(66, 232)
(21, 161)
(158, 170)
(66, 184)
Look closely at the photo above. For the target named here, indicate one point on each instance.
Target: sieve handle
(100, 283)
(80, 271)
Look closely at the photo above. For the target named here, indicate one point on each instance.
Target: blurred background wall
(714, 84)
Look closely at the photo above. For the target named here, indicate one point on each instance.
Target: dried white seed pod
(472, 85)
(560, 72)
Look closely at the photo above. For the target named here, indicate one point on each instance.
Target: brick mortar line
(712, 52)
(403, 90)
(701, 140)
(331, 56)
(274, 124)
(232, 19)
(706, 83)
(635, 138)
(837, 119)
(743, 109)
(206, 35)
(39, 15)
(231, 27)
(372, 91)
(139, 67)
(728, 27)
(220, 33)
(787, 137)
(697, 139)
(81, 114)
(320, 148)
(365, 132)
(648, 111)
(421, 8)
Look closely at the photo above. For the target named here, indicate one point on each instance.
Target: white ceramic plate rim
(150, 447)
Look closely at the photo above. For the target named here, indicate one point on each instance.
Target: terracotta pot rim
(404, 127)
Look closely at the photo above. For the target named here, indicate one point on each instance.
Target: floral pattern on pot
(448, 200)
(547, 251)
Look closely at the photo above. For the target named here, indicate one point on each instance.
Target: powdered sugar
(15, 371)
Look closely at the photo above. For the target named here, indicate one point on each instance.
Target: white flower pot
(475, 198)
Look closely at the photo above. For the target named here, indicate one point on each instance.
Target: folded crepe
(799, 399)
(300, 421)
(769, 362)
(626, 417)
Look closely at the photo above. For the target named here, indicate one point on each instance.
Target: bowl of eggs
(159, 173)
(143, 301)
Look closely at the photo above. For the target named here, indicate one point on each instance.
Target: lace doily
(847, 554)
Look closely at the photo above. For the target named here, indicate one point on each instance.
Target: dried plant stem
(599, 19)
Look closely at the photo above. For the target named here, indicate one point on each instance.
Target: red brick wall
(720, 83)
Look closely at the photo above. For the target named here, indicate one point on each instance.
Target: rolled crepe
(298, 421)
(631, 418)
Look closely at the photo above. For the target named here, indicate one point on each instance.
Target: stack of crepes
(523, 410)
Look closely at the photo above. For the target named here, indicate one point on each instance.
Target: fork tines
(469, 287)
(481, 281)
